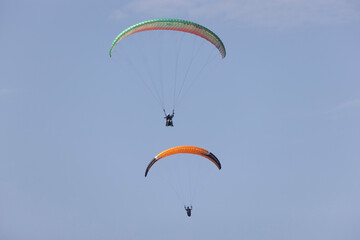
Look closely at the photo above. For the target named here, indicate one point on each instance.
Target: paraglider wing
(184, 149)
(174, 25)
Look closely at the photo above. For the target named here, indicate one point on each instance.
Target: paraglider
(169, 117)
(188, 210)
(178, 70)
(188, 150)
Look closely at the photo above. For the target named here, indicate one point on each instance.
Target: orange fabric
(184, 149)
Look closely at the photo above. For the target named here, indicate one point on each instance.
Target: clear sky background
(281, 112)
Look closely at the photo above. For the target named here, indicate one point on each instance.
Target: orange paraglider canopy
(184, 149)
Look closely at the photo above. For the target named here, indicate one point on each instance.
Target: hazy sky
(281, 112)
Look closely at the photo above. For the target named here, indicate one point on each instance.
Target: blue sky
(281, 112)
